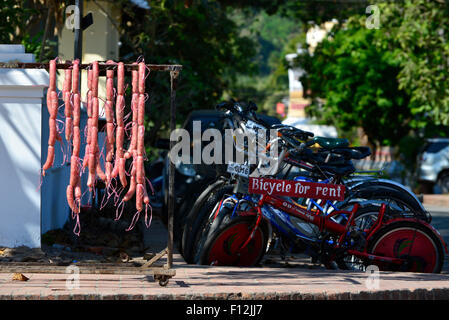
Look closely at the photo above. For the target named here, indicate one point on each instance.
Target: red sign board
(299, 189)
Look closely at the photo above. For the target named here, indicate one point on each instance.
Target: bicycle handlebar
(289, 135)
(249, 114)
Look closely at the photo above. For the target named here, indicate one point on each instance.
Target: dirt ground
(102, 240)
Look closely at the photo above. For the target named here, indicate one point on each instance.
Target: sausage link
(75, 76)
(119, 165)
(53, 131)
(70, 197)
(109, 113)
(121, 79)
(142, 69)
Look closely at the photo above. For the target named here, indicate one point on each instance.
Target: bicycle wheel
(223, 246)
(408, 240)
(394, 196)
(198, 217)
(367, 216)
(400, 203)
(181, 217)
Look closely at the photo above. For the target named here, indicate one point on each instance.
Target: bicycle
(375, 190)
(238, 229)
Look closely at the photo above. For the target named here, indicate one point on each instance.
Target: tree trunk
(44, 37)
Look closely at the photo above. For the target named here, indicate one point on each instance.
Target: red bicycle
(240, 224)
(247, 213)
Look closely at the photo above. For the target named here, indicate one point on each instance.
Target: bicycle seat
(355, 153)
(320, 158)
(339, 170)
(328, 161)
(331, 143)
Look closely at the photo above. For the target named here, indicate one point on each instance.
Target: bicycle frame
(323, 222)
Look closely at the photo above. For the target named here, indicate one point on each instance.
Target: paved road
(440, 220)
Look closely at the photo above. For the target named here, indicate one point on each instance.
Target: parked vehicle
(238, 225)
(433, 164)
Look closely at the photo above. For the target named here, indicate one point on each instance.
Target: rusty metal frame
(101, 66)
(160, 273)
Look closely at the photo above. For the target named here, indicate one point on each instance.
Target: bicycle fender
(427, 225)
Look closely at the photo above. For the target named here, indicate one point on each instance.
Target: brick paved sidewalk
(202, 282)
(301, 280)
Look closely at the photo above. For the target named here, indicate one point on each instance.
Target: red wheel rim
(225, 249)
(410, 244)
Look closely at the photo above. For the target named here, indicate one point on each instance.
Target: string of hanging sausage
(119, 133)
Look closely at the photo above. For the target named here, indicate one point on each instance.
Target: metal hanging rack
(102, 66)
(162, 274)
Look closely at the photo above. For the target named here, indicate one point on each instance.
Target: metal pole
(78, 31)
(171, 169)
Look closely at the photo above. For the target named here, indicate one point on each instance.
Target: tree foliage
(13, 19)
(390, 81)
(418, 34)
(202, 38)
(275, 36)
(25, 22)
(354, 84)
(320, 11)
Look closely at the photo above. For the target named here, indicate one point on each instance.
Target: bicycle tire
(222, 245)
(401, 231)
(196, 216)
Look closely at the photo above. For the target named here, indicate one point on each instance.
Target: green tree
(202, 38)
(353, 83)
(319, 11)
(273, 34)
(31, 23)
(277, 33)
(409, 53)
(418, 34)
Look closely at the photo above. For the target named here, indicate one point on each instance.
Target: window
(435, 147)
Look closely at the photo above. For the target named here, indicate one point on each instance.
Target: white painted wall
(29, 204)
(21, 94)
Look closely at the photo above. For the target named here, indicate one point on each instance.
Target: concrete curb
(417, 294)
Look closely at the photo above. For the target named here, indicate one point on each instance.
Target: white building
(296, 115)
